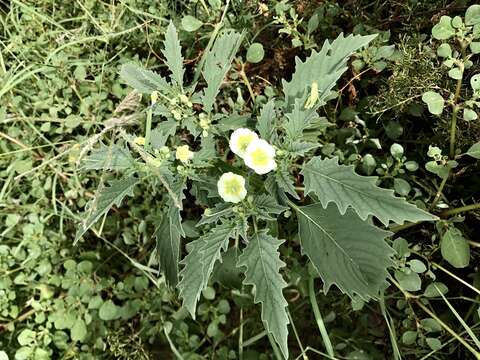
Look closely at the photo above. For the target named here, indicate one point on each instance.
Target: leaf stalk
(319, 319)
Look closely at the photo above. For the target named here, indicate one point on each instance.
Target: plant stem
(278, 356)
(440, 189)
(471, 287)
(398, 228)
(453, 125)
(247, 82)
(318, 318)
(460, 210)
(254, 339)
(453, 131)
(172, 345)
(448, 329)
(148, 128)
(304, 355)
(409, 296)
(240, 337)
(205, 7)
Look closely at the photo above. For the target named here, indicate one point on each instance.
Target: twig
(460, 210)
(318, 318)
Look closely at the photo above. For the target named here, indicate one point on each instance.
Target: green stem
(440, 189)
(448, 329)
(254, 339)
(172, 346)
(318, 318)
(247, 82)
(453, 126)
(398, 228)
(240, 337)
(276, 351)
(473, 288)
(409, 296)
(460, 210)
(453, 132)
(205, 7)
(148, 128)
(304, 355)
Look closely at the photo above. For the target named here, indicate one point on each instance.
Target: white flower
(240, 139)
(183, 153)
(260, 156)
(231, 187)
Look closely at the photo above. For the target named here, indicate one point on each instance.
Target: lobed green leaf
(262, 262)
(331, 182)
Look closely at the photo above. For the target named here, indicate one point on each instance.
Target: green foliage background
(60, 86)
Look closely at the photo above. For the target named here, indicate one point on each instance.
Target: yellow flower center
(233, 187)
(260, 157)
(244, 141)
(183, 153)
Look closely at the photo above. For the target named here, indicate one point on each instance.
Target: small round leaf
(190, 23)
(396, 150)
(475, 47)
(417, 266)
(402, 188)
(255, 53)
(472, 15)
(409, 337)
(469, 115)
(444, 29)
(435, 289)
(434, 102)
(455, 73)
(434, 343)
(79, 330)
(455, 248)
(409, 282)
(475, 82)
(474, 151)
(108, 311)
(444, 50)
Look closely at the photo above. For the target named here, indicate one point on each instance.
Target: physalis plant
(244, 171)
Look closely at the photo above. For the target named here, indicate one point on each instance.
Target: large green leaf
(265, 120)
(173, 54)
(170, 232)
(104, 200)
(262, 262)
(113, 157)
(332, 182)
(217, 64)
(455, 248)
(144, 81)
(199, 263)
(324, 68)
(345, 250)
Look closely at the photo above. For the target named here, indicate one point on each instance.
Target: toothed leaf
(199, 263)
(331, 182)
(217, 64)
(173, 54)
(345, 250)
(104, 199)
(144, 81)
(324, 68)
(262, 262)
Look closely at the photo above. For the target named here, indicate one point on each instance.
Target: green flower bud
(183, 98)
